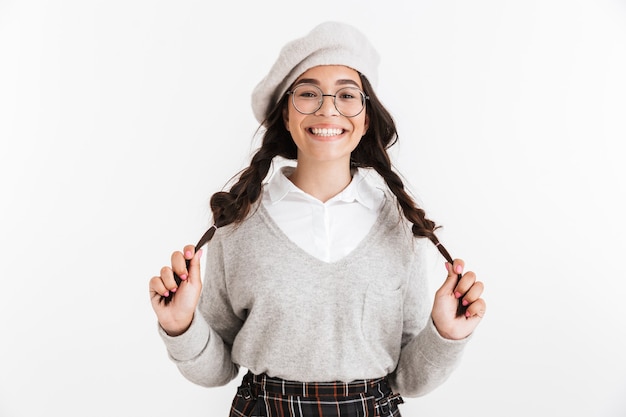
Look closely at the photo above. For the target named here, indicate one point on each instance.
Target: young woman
(315, 276)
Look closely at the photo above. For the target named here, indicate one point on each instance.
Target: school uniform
(326, 304)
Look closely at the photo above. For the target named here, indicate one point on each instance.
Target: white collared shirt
(331, 230)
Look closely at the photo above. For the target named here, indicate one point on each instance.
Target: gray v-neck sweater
(269, 306)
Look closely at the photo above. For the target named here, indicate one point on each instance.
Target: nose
(328, 106)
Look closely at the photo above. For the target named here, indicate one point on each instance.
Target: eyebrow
(316, 82)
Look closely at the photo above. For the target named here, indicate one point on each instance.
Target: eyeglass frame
(364, 98)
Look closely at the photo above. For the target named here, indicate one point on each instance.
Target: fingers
(454, 271)
(166, 283)
(158, 288)
(179, 261)
(464, 284)
(465, 288)
(194, 267)
(476, 308)
(468, 290)
(458, 306)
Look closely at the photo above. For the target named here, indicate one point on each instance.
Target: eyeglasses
(309, 98)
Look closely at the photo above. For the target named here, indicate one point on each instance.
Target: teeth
(327, 132)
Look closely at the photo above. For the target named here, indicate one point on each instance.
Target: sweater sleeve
(203, 353)
(426, 358)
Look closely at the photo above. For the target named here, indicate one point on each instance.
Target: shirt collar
(359, 189)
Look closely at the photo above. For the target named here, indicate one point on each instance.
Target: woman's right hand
(176, 316)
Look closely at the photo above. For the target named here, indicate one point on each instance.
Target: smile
(326, 132)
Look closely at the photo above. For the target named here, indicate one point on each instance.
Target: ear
(286, 117)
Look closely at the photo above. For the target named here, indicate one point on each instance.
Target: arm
(202, 351)
(201, 355)
(427, 359)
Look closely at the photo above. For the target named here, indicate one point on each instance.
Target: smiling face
(326, 135)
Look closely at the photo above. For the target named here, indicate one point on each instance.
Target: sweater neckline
(296, 250)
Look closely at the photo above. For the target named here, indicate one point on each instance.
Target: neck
(321, 180)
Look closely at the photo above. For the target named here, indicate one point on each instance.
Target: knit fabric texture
(269, 306)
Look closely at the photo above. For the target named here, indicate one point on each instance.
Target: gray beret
(330, 43)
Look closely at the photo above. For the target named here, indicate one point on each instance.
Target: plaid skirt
(262, 396)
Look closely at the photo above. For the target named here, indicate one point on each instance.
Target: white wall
(118, 120)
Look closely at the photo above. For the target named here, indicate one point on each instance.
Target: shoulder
(248, 228)
(398, 229)
(391, 214)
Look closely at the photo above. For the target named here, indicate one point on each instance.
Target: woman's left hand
(465, 290)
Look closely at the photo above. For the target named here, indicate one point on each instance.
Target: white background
(119, 119)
